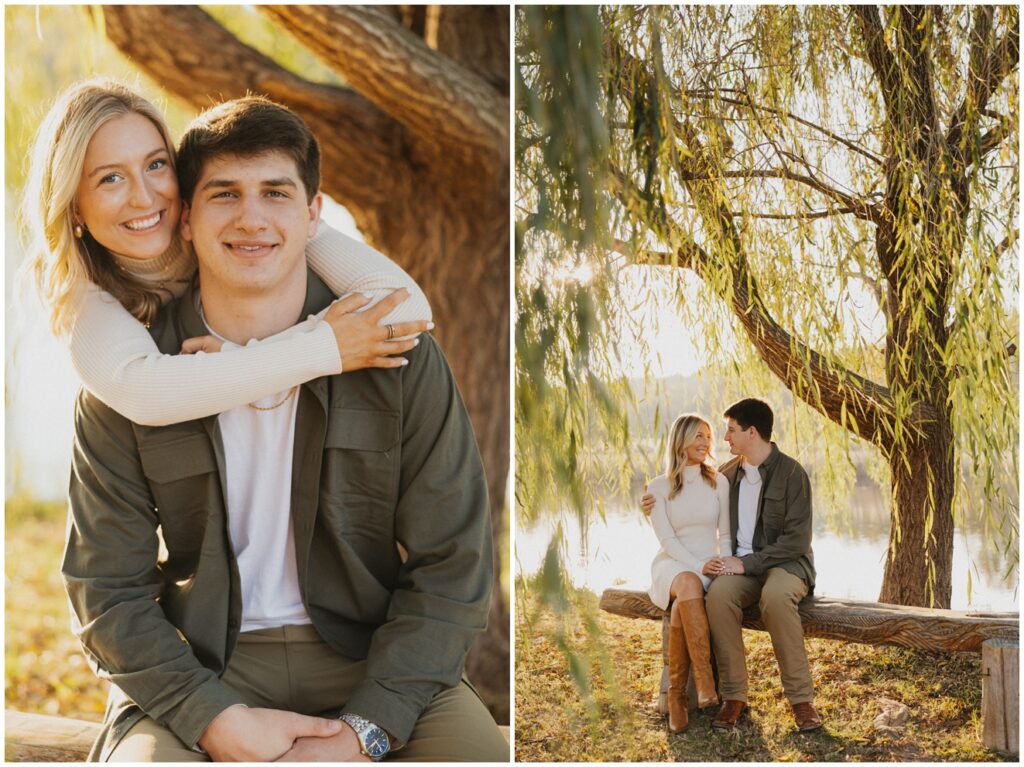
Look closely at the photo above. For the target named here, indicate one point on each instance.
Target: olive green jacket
(782, 533)
(381, 457)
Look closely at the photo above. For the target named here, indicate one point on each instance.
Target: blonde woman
(691, 519)
(102, 210)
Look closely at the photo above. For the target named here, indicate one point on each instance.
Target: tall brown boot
(678, 674)
(698, 645)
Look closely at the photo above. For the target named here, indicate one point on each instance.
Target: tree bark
(436, 206)
(918, 568)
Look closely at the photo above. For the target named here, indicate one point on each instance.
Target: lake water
(621, 548)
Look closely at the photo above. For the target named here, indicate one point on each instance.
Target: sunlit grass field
(621, 722)
(46, 672)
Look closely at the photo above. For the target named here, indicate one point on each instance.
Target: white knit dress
(692, 528)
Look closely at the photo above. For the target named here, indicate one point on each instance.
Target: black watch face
(376, 743)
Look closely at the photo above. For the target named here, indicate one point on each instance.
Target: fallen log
(874, 623)
(42, 738)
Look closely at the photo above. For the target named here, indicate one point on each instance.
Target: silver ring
(391, 331)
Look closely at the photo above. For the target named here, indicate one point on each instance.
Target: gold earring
(78, 231)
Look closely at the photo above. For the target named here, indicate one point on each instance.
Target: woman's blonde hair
(682, 435)
(59, 261)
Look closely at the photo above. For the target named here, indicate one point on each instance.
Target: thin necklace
(274, 407)
(202, 316)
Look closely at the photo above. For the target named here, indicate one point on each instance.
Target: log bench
(41, 738)
(994, 635)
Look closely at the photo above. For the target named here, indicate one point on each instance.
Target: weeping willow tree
(813, 167)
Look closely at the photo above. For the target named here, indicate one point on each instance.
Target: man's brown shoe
(807, 718)
(729, 714)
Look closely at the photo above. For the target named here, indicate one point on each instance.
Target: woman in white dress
(102, 210)
(691, 519)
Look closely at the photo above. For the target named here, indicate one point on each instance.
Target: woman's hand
(647, 503)
(713, 567)
(362, 341)
(201, 344)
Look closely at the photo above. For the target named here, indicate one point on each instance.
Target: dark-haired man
(771, 564)
(325, 551)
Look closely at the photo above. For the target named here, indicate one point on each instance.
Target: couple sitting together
(282, 550)
(741, 533)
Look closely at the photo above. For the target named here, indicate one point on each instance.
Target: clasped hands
(723, 566)
(243, 734)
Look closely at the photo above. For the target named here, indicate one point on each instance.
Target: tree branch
(438, 100)
(987, 67)
(1007, 243)
(915, 26)
(991, 140)
(202, 63)
(879, 56)
(851, 203)
(795, 216)
(848, 399)
(705, 93)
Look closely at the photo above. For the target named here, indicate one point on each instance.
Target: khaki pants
(778, 593)
(293, 669)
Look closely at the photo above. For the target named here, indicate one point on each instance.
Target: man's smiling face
(249, 221)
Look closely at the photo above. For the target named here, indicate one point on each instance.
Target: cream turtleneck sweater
(118, 361)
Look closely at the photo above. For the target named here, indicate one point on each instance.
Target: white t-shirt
(258, 450)
(750, 494)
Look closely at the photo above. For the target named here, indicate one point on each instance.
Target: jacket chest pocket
(773, 513)
(362, 454)
(182, 474)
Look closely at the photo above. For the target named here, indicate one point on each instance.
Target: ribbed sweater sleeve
(724, 526)
(118, 361)
(349, 266)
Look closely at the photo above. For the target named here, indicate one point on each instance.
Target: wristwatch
(373, 741)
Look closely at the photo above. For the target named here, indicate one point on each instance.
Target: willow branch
(916, 59)
(988, 67)
(1008, 242)
(879, 56)
(852, 204)
(748, 102)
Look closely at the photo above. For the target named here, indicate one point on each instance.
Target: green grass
(46, 671)
(620, 720)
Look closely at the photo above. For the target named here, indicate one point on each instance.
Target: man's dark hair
(753, 412)
(247, 127)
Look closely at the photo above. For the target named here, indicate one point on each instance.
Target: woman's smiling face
(128, 194)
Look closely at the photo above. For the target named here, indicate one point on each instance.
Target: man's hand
(733, 565)
(362, 341)
(242, 734)
(342, 747)
(646, 503)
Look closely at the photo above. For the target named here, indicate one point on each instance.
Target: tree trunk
(436, 205)
(918, 570)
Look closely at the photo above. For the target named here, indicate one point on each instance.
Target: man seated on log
(772, 565)
(238, 577)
